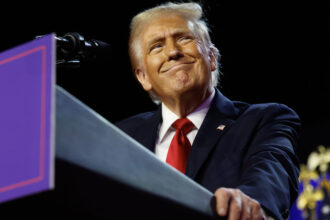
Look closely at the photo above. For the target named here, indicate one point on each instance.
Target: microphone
(74, 47)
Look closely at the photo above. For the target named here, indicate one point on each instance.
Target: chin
(182, 86)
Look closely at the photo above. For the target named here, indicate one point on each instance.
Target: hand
(236, 205)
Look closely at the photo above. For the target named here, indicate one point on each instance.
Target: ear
(143, 78)
(213, 60)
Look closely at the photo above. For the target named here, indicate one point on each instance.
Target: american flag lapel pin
(221, 127)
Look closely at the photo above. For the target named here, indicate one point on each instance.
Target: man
(243, 153)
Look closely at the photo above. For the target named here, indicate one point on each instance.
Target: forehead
(166, 24)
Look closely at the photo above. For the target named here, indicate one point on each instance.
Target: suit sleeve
(270, 167)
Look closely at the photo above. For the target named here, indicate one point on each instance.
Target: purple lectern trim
(42, 121)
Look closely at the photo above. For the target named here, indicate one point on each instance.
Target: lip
(175, 66)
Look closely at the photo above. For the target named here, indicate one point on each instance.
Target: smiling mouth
(176, 66)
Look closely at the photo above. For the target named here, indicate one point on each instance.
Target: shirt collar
(196, 117)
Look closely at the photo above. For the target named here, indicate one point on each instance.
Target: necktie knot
(184, 125)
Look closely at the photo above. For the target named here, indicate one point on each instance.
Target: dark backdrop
(272, 51)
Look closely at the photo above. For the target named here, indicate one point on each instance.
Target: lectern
(101, 173)
(85, 139)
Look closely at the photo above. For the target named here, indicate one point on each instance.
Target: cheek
(204, 66)
(194, 49)
(199, 46)
(198, 51)
(153, 63)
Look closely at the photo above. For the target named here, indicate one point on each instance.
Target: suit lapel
(150, 130)
(217, 121)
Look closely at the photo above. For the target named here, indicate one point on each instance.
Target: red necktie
(178, 152)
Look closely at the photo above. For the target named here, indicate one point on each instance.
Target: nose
(173, 51)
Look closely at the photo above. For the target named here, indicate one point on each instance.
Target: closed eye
(185, 39)
(155, 47)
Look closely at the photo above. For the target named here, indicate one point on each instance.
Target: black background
(272, 51)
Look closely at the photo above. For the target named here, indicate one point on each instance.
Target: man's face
(174, 62)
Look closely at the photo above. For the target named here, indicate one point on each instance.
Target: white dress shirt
(166, 131)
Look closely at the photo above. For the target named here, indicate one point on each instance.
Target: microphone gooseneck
(72, 48)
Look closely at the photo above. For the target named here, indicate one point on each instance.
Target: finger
(257, 212)
(235, 206)
(246, 209)
(222, 196)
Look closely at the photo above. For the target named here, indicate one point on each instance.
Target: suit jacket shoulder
(142, 127)
(130, 124)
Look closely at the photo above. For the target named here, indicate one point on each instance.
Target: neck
(185, 104)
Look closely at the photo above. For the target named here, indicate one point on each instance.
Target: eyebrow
(155, 39)
(160, 37)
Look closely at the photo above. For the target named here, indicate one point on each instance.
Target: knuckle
(237, 203)
(219, 190)
(223, 191)
(255, 204)
(236, 192)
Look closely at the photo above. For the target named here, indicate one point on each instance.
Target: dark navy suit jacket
(254, 152)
